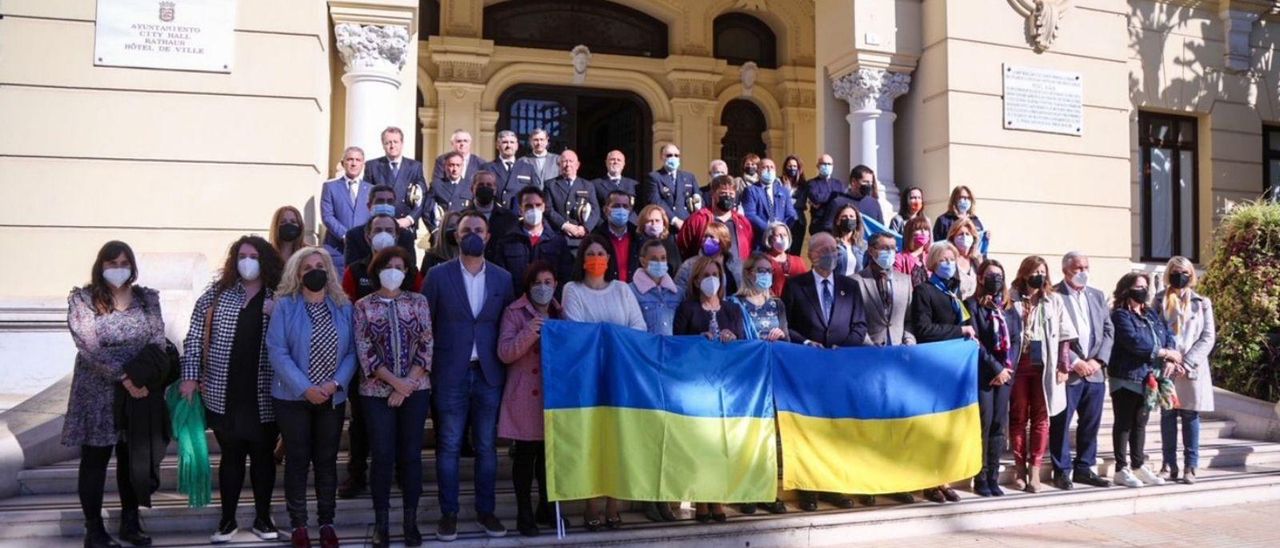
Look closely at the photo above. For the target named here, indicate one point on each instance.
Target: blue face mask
(885, 258)
(384, 209)
(618, 216)
(946, 270)
(767, 175)
(764, 281)
(657, 269)
(673, 163)
(472, 245)
(963, 205)
(824, 170)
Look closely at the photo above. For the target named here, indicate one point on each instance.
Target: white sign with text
(1045, 100)
(194, 35)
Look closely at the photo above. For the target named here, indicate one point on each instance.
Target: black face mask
(1035, 282)
(792, 172)
(725, 203)
(750, 170)
(315, 280)
(485, 195)
(864, 190)
(1139, 295)
(290, 232)
(992, 284)
(1180, 280)
(849, 225)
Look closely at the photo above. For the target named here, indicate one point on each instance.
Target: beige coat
(1057, 328)
(1196, 340)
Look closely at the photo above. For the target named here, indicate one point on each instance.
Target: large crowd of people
(292, 334)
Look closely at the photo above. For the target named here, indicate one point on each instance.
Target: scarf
(956, 305)
(1176, 310)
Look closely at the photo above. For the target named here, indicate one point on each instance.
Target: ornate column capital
(871, 88)
(381, 48)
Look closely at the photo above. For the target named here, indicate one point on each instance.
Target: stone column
(870, 93)
(374, 56)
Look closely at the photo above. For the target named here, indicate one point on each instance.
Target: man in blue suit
(768, 201)
(467, 296)
(343, 204)
(513, 175)
(672, 189)
(402, 174)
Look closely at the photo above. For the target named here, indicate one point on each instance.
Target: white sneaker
(224, 534)
(1125, 477)
(1148, 477)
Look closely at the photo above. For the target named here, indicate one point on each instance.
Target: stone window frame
(1181, 141)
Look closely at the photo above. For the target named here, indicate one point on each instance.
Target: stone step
(55, 520)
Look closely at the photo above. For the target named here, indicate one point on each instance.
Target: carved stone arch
(761, 96)
(608, 78)
(617, 27)
(785, 18)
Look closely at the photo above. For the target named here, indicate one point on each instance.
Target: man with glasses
(674, 190)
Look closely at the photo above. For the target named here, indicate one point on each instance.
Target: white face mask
(248, 268)
(391, 278)
(1081, 278)
(117, 276)
(964, 242)
(382, 240)
(709, 286)
(533, 217)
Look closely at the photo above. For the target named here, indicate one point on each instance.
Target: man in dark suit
(1086, 387)
(467, 296)
(531, 240)
(768, 201)
(574, 210)
(447, 194)
(484, 189)
(824, 311)
(613, 180)
(671, 188)
(382, 199)
(342, 204)
(546, 165)
(513, 175)
(621, 232)
(471, 164)
(818, 193)
(402, 174)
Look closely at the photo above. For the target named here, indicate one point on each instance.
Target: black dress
(691, 319)
(241, 420)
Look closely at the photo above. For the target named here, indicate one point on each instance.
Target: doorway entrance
(592, 122)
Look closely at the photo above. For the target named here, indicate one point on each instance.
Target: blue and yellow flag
(877, 420)
(650, 418)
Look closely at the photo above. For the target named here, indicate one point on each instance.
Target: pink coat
(520, 417)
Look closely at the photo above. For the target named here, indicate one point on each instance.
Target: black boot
(412, 536)
(131, 528)
(95, 535)
(381, 534)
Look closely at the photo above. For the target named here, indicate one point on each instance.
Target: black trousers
(357, 436)
(1129, 435)
(92, 481)
(311, 434)
(262, 471)
(528, 462)
(993, 408)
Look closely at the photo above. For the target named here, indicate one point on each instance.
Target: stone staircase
(1233, 470)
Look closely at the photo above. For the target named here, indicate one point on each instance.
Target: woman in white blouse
(594, 296)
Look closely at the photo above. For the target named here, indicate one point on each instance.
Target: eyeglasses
(669, 155)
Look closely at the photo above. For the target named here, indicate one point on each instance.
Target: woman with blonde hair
(1190, 318)
(288, 232)
(313, 355)
(964, 235)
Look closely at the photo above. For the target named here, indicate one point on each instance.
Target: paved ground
(1226, 526)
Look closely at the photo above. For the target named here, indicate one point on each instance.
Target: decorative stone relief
(751, 5)
(696, 89)
(372, 47)
(871, 88)
(459, 70)
(798, 97)
(1238, 54)
(581, 57)
(1043, 18)
(748, 75)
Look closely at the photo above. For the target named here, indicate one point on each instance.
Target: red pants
(1028, 406)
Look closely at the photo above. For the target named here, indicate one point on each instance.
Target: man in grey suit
(546, 165)
(461, 143)
(1086, 387)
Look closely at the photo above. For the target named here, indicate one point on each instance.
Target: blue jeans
(474, 398)
(395, 439)
(1190, 436)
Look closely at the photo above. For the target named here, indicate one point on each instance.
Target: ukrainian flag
(878, 420)
(644, 417)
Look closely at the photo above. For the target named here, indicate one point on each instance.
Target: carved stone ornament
(581, 56)
(748, 75)
(372, 47)
(1238, 54)
(871, 88)
(1043, 18)
(751, 5)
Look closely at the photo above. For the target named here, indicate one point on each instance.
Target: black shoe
(491, 525)
(775, 507)
(702, 518)
(867, 500)
(412, 536)
(227, 530)
(747, 509)
(131, 529)
(903, 498)
(1063, 482)
(265, 529)
(527, 526)
(651, 512)
(839, 501)
(808, 502)
(353, 487)
(719, 518)
(95, 535)
(980, 486)
(950, 494)
(664, 509)
(447, 528)
(381, 530)
(1088, 477)
(935, 496)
